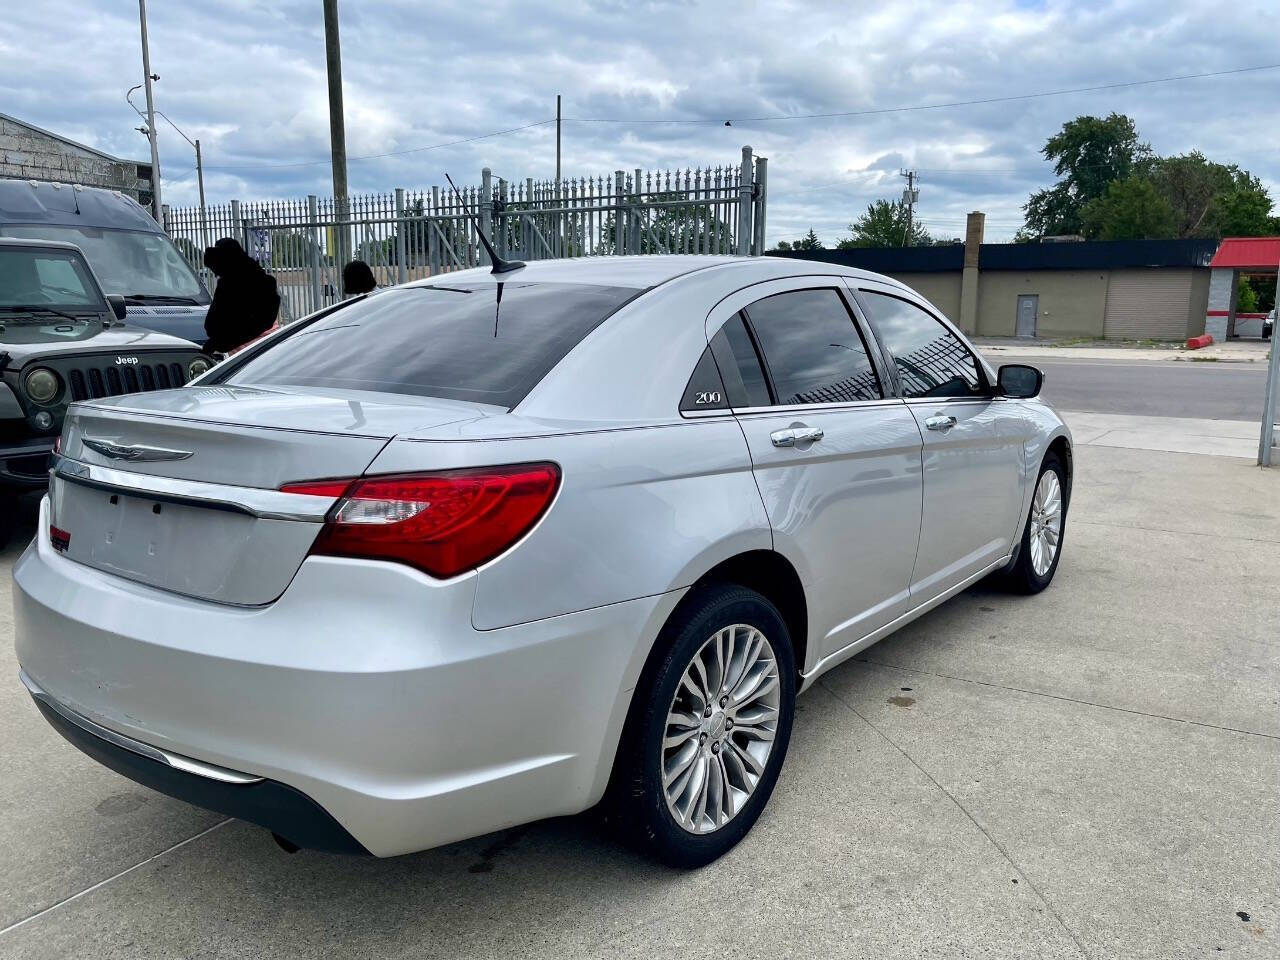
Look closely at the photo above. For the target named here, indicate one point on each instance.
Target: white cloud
(248, 79)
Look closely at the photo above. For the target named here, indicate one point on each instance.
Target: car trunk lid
(181, 489)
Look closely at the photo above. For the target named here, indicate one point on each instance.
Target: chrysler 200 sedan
(488, 548)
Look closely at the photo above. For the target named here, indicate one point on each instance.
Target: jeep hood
(118, 338)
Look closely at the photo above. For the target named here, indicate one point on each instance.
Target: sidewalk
(1234, 351)
(1220, 438)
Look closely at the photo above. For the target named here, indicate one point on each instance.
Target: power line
(379, 156)
(798, 116)
(941, 106)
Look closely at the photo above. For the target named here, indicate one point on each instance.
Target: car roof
(43, 244)
(34, 202)
(643, 272)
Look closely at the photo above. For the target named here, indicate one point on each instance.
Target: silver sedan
(488, 548)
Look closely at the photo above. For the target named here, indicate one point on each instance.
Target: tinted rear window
(456, 341)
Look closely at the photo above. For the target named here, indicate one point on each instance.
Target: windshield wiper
(36, 308)
(160, 298)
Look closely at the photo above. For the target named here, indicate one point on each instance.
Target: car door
(837, 461)
(972, 463)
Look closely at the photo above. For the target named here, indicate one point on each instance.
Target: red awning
(1248, 253)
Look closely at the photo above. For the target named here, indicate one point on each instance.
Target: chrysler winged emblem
(134, 452)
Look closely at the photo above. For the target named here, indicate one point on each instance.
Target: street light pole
(151, 115)
(204, 240)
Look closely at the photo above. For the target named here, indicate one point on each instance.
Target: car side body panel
(640, 512)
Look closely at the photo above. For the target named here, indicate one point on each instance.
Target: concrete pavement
(1223, 438)
(1086, 773)
(1231, 351)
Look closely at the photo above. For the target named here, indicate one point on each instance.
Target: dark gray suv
(62, 340)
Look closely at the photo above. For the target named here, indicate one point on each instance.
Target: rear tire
(704, 744)
(1046, 527)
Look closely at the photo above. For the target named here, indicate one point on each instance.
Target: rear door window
(812, 348)
(485, 343)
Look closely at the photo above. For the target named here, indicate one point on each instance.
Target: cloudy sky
(248, 79)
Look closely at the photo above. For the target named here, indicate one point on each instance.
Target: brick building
(29, 153)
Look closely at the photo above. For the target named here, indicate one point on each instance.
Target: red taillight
(442, 523)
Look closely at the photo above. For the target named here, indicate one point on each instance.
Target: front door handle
(793, 435)
(940, 422)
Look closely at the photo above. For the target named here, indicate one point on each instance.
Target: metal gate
(406, 235)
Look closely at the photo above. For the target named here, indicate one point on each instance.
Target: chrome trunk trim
(254, 501)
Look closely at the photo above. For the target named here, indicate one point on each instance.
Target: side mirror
(1019, 381)
(117, 305)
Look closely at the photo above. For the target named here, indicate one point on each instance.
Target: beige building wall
(1199, 302)
(1072, 302)
(940, 289)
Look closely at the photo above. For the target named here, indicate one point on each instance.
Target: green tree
(809, 241)
(784, 245)
(884, 225)
(1088, 153)
(1212, 199)
(1245, 209)
(1193, 187)
(1131, 209)
(672, 229)
(1246, 297)
(293, 248)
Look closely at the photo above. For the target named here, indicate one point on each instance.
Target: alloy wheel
(1046, 522)
(720, 728)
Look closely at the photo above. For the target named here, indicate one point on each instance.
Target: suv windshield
(132, 263)
(487, 343)
(47, 295)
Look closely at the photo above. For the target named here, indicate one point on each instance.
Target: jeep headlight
(197, 366)
(42, 384)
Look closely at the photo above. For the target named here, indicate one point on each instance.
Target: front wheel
(1042, 536)
(708, 729)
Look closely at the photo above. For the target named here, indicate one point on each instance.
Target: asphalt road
(1156, 388)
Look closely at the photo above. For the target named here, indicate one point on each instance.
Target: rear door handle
(793, 435)
(940, 422)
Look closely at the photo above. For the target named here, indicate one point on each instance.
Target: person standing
(245, 301)
(357, 278)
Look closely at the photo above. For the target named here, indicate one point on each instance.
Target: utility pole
(557, 144)
(909, 198)
(337, 128)
(204, 238)
(151, 115)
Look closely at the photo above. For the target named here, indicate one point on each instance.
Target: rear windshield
(486, 343)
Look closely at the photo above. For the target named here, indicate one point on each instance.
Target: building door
(1028, 308)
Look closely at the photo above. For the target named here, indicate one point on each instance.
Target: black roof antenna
(499, 265)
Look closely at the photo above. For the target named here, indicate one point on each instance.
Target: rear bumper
(279, 808)
(25, 466)
(364, 688)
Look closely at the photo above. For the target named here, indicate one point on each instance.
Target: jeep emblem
(122, 361)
